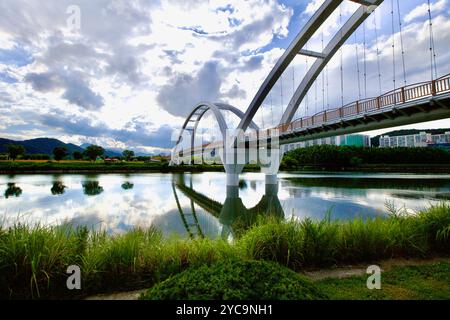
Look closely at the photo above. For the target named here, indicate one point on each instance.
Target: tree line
(346, 156)
(92, 152)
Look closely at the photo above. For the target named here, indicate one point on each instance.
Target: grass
(73, 166)
(401, 283)
(33, 260)
(308, 243)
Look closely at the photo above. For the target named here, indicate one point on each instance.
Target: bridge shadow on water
(231, 214)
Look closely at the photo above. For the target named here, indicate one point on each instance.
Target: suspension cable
(323, 83)
(293, 79)
(365, 60)
(393, 42)
(357, 67)
(401, 41)
(341, 66)
(432, 47)
(315, 96)
(281, 87)
(271, 107)
(378, 51)
(306, 71)
(328, 92)
(262, 116)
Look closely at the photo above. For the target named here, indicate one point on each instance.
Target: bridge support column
(232, 172)
(271, 184)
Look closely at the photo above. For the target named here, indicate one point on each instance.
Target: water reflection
(127, 185)
(351, 196)
(200, 205)
(58, 188)
(92, 188)
(12, 190)
(233, 216)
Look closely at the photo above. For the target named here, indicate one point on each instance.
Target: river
(190, 204)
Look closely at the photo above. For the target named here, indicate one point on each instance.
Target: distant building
(358, 140)
(421, 139)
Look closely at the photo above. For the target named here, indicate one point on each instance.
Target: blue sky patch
(6, 77)
(16, 56)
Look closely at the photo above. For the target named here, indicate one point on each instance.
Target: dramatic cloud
(183, 91)
(135, 68)
(139, 136)
(76, 90)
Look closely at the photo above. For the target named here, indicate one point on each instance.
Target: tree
(128, 154)
(77, 155)
(92, 188)
(15, 150)
(57, 188)
(59, 153)
(93, 151)
(12, 190)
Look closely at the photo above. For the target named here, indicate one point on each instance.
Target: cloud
(78, 93)
(44, 82)
(76, 90)
(422, 10)
(184, 91)
(140, 135)
(134, 64)
(272, 20)
(235, 92)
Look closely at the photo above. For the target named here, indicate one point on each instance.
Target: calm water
(196, 203)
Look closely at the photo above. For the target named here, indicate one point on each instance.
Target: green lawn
(430, 281)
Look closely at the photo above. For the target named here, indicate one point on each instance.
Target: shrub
(236, 280)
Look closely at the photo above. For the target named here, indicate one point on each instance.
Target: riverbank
(374, 168)
(34, 260)
(38, 167)
(86, 167)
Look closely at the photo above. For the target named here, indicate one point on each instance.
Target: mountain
(375, 140)
(40, 145)
(46, 146)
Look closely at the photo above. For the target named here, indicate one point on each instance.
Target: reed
(34, 260)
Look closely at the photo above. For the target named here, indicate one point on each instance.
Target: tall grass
(34, 260)
(308, 243)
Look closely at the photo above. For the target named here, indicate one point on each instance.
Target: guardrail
(398, 96)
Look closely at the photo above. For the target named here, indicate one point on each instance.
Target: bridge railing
(398, 96)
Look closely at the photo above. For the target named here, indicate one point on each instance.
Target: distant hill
(46, 146)
(40, 145)
(376, 140)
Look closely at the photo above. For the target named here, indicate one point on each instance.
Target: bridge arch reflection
(232, 214)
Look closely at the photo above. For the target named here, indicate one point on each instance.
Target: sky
(125, 74)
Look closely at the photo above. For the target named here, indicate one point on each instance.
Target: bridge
(408, 104)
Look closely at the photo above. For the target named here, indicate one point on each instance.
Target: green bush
(338, 156)
(235, 280)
